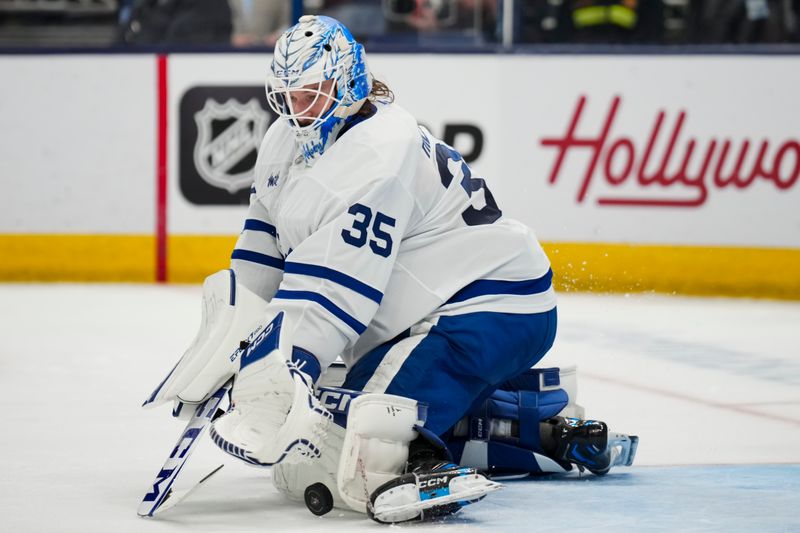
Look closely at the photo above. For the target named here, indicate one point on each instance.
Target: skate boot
(431, 488)
(588, 444)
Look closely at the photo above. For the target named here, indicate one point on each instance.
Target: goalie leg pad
(546, 380)
(375, 448)
(502, 433)
(504, 436)
(365, 447)
(383, 463)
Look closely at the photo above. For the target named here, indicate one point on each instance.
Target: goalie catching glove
(231, 312)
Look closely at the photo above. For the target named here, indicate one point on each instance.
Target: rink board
(602, 267)
(638, 173)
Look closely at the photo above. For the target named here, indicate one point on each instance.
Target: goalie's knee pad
(502, 436)
(547, 380)
(230, 313)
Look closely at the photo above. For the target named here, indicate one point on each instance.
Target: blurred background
(257, 23)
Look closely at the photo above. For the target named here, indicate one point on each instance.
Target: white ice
(711, 386)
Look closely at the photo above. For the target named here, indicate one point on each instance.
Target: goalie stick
(162, 496)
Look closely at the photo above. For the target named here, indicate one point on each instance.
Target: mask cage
(308, 90)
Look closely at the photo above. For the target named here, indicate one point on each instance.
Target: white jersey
(387, 228)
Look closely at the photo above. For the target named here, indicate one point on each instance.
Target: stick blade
(174, 497)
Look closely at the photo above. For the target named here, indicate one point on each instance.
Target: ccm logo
(334, 400)
(250, 344)
(433, 482)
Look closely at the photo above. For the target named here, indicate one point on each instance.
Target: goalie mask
(319, 77)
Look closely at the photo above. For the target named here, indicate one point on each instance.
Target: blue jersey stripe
(259, 225)
(335, 276)
(331, 307)
(484, 287)
(255, 257)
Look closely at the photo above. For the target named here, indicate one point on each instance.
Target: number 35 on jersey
(369, 227)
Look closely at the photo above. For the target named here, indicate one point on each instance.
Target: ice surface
(711, 386)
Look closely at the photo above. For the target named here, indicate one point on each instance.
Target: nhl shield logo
(228, 137)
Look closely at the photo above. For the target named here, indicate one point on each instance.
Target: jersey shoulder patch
(274, 159)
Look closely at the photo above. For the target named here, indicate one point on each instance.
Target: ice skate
(588, 444)
(431, 489)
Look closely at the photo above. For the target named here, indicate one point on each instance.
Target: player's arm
(256, 258)
(334, 281)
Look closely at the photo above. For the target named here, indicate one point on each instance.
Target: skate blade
(632, 450)
(466, 491)
(622, 448)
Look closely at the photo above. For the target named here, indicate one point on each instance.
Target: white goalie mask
(318, 78)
